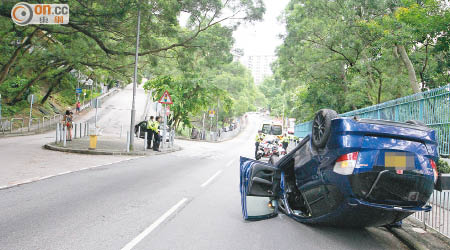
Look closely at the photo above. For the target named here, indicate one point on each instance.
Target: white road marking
(210, 179)
(229, 163)
(152, 227)
(34, 179)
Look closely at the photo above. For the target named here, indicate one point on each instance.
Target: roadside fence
(431, 107)
(19, 125)
(438, 218)
(222, 133)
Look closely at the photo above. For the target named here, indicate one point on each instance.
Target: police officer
(149, 132)
(285, 142)
(156, 136)
(259, 138)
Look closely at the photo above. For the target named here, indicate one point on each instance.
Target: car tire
(273, 159)
(415, 122)
(321, 127)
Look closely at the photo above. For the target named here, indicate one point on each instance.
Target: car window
(276, 130)
(266, 128)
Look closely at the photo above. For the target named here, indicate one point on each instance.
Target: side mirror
(259, 131)
(260, 207)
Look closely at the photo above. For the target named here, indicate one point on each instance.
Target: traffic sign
(211, 113)
(165, 98)
(78, 90)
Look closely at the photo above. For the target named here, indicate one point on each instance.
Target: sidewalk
(107, 145)
(414, 236)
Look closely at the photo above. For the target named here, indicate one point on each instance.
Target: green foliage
(99, 43)
(443, 167)
(343, 54)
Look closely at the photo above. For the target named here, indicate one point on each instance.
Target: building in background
(259, 65)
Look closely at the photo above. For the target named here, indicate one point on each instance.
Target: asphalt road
(183, 200)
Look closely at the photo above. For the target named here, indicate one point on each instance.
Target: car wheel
(321, 128)
(414, 122)
(273, 159)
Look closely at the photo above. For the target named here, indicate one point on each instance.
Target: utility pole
(217, 115)
(133, 105)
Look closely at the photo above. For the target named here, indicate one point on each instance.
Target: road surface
(183, 200)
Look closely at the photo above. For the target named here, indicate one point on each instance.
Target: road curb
(49, 146)
(407, 239)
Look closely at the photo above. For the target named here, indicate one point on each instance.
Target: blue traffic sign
(78, 90)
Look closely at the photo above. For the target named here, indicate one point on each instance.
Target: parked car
(349, 172)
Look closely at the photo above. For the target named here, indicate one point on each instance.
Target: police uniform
(285, 142)
(157, 137)
(149, 133)
(259, 138)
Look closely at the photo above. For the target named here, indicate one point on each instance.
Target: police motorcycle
(269, 147)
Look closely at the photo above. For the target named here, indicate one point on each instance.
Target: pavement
(107, 145)
(23, 159)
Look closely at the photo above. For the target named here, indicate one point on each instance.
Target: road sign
(78, 90)
(211, 113)
(31, 98)
(165, 98)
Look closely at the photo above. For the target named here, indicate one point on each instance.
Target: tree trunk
(5, 69)
(409, 66)
(55, 83)
(21, 92)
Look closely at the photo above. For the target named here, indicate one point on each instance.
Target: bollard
(65, 136)
(121, 129)
(139, 132)
(61, 128)
(57, 127)
(128, 141)
(87, 129)
(145, 140)
(75, 131)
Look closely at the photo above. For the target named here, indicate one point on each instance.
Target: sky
(261, 38)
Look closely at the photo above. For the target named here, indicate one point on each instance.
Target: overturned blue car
(348, 172)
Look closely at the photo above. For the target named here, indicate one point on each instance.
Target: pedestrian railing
(431, 107)
(438, 218)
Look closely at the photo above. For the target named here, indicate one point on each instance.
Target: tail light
(346, 163)
(435, 172)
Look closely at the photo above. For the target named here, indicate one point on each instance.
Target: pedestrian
(67, 122)
(78, 106)
(150, 132)
(156, 135)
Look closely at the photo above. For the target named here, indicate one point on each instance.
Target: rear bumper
(357, 202)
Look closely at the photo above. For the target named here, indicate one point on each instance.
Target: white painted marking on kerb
(152, 227)
(229, 163)
(210, 179)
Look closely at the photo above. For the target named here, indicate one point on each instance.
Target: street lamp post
(133, 106)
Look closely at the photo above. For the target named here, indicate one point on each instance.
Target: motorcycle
(269, 148)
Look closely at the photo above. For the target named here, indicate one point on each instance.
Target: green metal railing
(431, 107)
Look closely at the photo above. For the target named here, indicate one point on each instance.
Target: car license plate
(398, 160)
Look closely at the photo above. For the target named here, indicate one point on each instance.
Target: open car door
(259, 188)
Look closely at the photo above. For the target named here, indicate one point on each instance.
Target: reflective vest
(285, 139)
(155, 127)
(150, 124)
(259, 138)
